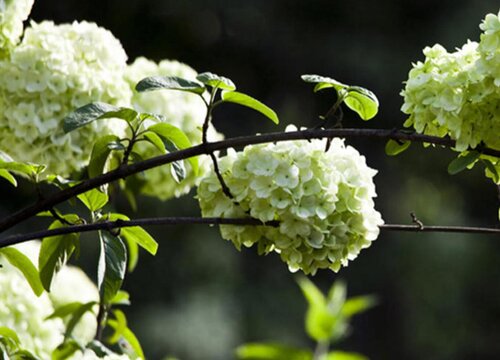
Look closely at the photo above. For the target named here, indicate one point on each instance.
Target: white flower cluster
(55, 69)
(12, 15)
(457, 93)
(322, 200)
(182, 109)
(25, 313)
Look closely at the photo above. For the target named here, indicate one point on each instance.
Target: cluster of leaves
(327, 321)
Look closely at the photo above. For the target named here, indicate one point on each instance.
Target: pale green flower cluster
(24, 312)
(55, 69)
(322, 200)
(182, 109)
(457, 93)
(12, 15)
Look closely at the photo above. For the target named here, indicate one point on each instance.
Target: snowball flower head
(456, 94)
(22, 311)
(12, 15)
(25, 313)
(53, 71)
(322, 200)
(182, 109)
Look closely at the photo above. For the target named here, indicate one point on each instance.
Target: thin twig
(114, 225)
(207, 148)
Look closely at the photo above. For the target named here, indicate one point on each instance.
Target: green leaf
(76, 317)
(491, 171)
(54, 253)
(112, 265)
(216, 81)
(341, 355)
(94, 199)
(362, 101)
(336, 297)
(8, 176)
(24, 264)
(21, 168)
(177, 137)
(130, 338)
(358, 304)
(154, 139)
(323, 82)
(248, 101)
(64, 310)
(23, 355)
(462, 162)
(121, 298)
(136, 234)
(271, 352)
(394, 147)
(169, 82)
(121, 326)
(8, 333)
(65, 350)
(100, 152)
(96, 111)
(133, 254)
(320, 322)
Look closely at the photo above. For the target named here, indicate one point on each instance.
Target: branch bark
(207, 148)
(113, 225)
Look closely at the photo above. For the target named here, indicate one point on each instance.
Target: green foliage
(126, 336)
(360, 100)
(112, 264)
(24, 264)
(94, 199)
(216, 81)
(100, 153)
(8, 167)
(327, 320)
(135, 234)
(11, 347)
(271, 352)
(250, 102)
(461, 163)
(56, 251)
(395, 147)
(96, 111)
(177, 137)
(65, 350)
(169, 82)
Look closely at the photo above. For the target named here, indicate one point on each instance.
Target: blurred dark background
(199, 298)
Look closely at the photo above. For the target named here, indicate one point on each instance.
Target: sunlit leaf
(177, 137)
(93, 199)
(155, 140)
(130, 338)
(271, 352)
(362, 101)
(394, 147)
(358, 304)
(54, 253)
(119, 328)
(24, 264)
(8, 176)
(100, 152)
(250, 102)
(96, 111)
(121, 298)
(323, 82)
(341, 355)
(491, 171)
(65, 350)
(216, 81)
(169, 82)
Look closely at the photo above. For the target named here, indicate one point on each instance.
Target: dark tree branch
(127, 170)
(113, 225)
